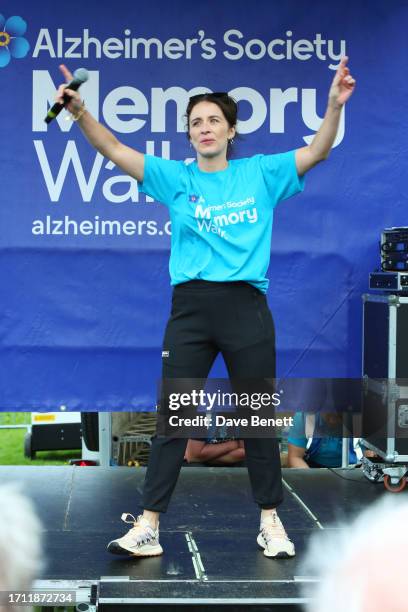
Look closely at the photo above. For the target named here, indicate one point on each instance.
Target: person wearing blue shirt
(221, 212)
(320, 447)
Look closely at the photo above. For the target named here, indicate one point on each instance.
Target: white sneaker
(140, 541)
(274, 539)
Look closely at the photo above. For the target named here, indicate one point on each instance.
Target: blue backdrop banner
(84, 257)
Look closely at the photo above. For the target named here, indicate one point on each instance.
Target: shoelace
(140, 534)
(273, 529)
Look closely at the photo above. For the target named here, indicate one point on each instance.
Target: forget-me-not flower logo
(12, 43)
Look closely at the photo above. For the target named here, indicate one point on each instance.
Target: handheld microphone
(80, 76)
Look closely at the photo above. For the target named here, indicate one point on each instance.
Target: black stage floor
(209, 534)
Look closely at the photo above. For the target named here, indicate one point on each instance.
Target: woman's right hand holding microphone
(75, 104)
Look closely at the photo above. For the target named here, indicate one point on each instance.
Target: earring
(231, 141)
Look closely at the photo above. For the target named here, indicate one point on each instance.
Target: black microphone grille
(81, 74)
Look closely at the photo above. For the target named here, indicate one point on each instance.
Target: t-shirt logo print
(194, 198)
(228, 213)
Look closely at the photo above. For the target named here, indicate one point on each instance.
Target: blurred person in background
(215, 451)
(360, 566)
(21, 555)
(315, 441)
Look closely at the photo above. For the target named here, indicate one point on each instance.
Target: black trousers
(208, 318)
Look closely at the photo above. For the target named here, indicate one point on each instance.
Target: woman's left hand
(342, 86)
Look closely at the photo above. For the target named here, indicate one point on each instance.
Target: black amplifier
(394, 249)
(396, 282)
(394, 239)
(394, 260)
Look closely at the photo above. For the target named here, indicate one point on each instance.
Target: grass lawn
(12, 444)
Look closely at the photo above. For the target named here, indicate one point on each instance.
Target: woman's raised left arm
(340, 91)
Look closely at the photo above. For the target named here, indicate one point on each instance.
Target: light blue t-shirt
(326, 450)
(222, 221)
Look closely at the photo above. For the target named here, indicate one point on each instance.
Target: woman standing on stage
(219, 276)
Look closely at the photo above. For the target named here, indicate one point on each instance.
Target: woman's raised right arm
(128, 159)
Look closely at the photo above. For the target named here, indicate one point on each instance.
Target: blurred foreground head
(361, 565)
(21, 558)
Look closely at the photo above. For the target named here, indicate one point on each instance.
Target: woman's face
(209, 130)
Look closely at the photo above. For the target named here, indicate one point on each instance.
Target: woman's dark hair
(225, 103)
